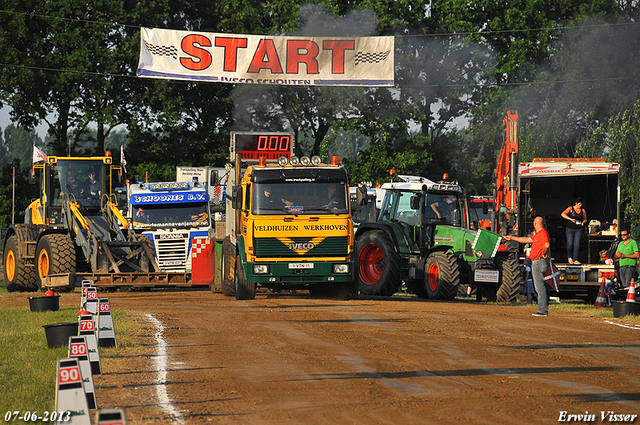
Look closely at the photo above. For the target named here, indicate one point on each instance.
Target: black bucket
(623, 308)
(44, 303)
(58, 333)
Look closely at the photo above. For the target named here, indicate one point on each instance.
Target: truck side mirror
(414, 202)
(485, 208)
(361, 195)
(236, 201)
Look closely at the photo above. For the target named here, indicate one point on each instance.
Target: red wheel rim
(370, 264)
(433, 276)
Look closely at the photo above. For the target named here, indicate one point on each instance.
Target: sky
(5, 121)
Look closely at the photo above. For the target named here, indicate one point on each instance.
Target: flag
(123, 161)
(552, 276)
(487, 242)
(38, 155)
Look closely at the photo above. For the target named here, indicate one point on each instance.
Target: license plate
(298, 266)
(573, 277)
(490, 276)
(172, 263)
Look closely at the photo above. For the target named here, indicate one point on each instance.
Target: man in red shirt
(539, 256)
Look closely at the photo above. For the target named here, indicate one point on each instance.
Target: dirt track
(293, 359)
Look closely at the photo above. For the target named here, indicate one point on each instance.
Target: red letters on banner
(266, 55)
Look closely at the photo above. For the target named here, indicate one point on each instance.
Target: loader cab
(79, 180)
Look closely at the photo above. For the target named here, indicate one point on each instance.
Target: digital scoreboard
(253, 145)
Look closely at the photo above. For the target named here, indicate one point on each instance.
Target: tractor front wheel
(510, 281)
(378, 264)
(442, 276)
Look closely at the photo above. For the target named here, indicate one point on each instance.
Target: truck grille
(172, 254)
(330, 247)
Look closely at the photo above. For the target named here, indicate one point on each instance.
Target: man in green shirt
(627, 254)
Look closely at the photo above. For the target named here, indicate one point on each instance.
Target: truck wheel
(18, 276)
(244, 290)
(228, 268)
(378, 265)
(442, 276)
(511, 279)
(55, 254)
(348, 290)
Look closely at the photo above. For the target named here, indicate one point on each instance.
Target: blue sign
(169, 198)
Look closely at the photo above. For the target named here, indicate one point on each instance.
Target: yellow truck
(289, 222)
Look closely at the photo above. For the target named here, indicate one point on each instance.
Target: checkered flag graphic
(363, 57)
(162, 50)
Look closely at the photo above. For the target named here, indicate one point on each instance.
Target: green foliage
(566, 67)
(622, 133)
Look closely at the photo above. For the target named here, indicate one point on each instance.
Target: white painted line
(622, 325)
(160, 362)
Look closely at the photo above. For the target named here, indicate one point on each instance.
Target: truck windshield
(299, 198)
(184, 215)
(82, 180)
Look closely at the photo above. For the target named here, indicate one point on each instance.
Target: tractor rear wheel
(228, 268)
(244, 290)
(18, 275)
(511, 279)
(55, 254)
(378, 264)
(442, 276)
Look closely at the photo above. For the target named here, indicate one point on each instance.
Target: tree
(621, 136)
(66, 59)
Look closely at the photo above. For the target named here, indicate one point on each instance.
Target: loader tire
(510, 279)
(378, 264)
(146, 263)
(245, 290)
(18, 275)
(442, 276)
(228, 268)
(55, 254)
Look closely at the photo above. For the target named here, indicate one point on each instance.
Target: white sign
(266, 60)
(490, 276)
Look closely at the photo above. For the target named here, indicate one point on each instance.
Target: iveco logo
(306, 246)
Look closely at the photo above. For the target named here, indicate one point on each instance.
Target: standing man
(627, 254)
(539, 257)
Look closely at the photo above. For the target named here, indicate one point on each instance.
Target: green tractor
(424, 238)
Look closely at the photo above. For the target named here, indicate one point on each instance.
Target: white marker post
(85, 284)
(71, 400)
(107, 332)
(88, 330)
(92, 307)
(111, 417)
(78, 349)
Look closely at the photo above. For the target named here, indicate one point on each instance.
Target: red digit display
(252, 146)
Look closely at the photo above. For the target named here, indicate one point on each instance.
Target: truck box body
(547, 187)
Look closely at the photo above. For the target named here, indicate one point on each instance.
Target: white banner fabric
(260, 59)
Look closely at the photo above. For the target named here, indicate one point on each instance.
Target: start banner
(261, 59)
